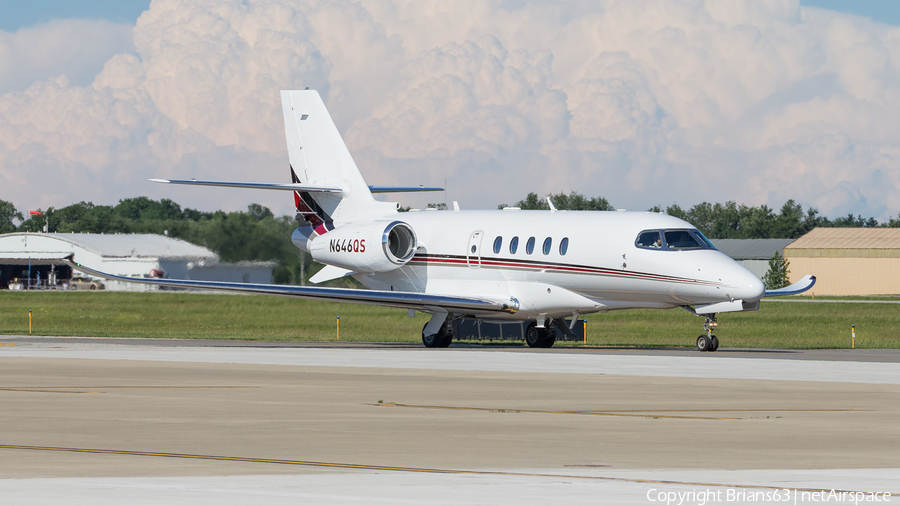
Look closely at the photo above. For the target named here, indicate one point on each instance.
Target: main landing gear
(708, 342)
(441, 339)
(539, 337)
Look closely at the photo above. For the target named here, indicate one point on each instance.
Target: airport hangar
(38, 256)
(848, 261)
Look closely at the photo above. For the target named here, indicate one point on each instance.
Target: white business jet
(539, 267)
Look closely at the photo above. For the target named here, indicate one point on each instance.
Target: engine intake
(356, 247)
(399, 242)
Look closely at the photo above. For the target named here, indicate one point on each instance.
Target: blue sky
(886, 11)
(16, 14)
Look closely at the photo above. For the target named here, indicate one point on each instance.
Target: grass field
(214, 316)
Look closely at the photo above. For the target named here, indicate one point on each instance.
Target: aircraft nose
(749, 287)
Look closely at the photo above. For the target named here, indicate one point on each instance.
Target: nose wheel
(708, 341)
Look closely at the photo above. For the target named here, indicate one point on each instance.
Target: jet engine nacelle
(371, 247)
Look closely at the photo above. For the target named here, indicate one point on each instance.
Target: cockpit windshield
(649, 240)
(673, 240)
(704, 240)
(681, 239)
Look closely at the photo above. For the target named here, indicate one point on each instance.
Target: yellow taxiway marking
(80, 389)
(7, 344)
(557, 412)
(642, 413)
(398, 468)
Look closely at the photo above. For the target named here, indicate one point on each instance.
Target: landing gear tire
(709, 341)
(704, 343)
(445, 341)
(442, 339)
(539, 338)
(551, 338)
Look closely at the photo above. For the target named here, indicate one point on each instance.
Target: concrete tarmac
(91, 421)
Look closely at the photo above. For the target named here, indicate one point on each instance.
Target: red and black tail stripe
(310, 209)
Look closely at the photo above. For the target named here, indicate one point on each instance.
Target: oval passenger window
(547, 243)
(514, 245)
(564, 246)
(498, 242)
(529, 246)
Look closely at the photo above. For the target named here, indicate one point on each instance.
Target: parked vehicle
(79, 283)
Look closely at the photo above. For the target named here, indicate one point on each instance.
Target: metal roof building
(34, 260)
(848, 261)
(753, 254)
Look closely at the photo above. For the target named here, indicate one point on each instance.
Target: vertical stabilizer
(319, 156)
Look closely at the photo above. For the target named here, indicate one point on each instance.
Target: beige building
(848, 261)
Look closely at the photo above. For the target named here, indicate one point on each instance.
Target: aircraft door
(473, 252)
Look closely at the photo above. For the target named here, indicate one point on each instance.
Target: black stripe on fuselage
(533, 265)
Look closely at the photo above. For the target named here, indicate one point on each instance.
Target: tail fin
(319, 156)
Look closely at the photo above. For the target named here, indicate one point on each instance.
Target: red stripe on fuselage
(540, 266)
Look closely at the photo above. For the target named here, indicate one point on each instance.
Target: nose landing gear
(708, 342)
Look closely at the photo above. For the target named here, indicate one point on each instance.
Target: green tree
(532, 202)
(146, 209)
(35, 222)
(676, 211)
(8, 213)
(777, 275)
(574, 201)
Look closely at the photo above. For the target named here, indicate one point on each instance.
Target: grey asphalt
(853, 355)
(112, 421)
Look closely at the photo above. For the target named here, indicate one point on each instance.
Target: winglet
(797, 288)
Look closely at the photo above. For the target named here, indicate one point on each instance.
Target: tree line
(257, 234)
(723, 221)
(254, 234)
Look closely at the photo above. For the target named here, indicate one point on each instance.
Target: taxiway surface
(96, 421)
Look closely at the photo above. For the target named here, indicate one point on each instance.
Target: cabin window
(498, 242)
(529, 246)
(681, 239)
(514, 245)
(547, 243)
(563, 246)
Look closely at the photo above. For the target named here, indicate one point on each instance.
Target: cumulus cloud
(46, 50)
(646, 102)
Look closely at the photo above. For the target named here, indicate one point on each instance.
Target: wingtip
(159, 180)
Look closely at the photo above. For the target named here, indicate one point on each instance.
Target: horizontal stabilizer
(294, 187)
(797, 288)
(424, 302)
(328, 273)
(403, 189)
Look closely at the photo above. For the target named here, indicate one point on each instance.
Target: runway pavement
(93, 421)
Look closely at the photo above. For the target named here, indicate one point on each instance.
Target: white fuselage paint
(602, 269)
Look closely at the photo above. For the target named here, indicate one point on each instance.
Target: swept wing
(407, 300)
